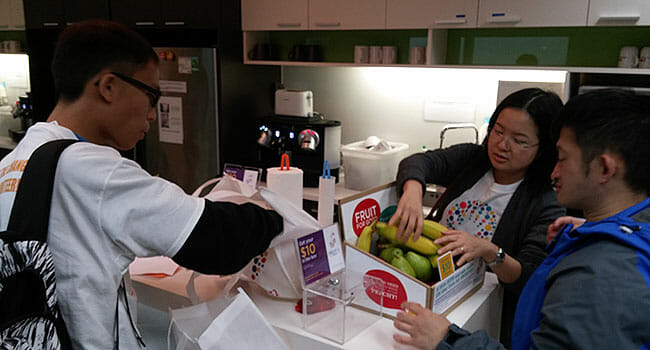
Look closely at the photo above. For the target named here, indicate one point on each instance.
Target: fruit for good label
(394, 291)
(364, 213)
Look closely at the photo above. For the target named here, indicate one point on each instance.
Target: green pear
(390, 252)
(403, 265)
(421, 265)
(434, 260)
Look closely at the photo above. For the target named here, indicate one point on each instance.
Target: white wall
(389, 102)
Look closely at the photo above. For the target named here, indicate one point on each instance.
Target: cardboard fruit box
(442, 297)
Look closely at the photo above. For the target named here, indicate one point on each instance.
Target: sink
(432, 195)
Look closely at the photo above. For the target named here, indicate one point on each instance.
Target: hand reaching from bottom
(425, 328)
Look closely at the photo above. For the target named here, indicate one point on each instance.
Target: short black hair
(612, 120)
(543, 107)
(87, 47)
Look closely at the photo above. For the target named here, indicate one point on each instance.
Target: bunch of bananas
(421, 255)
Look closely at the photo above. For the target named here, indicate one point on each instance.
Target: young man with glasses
(499, 200)
(593, 289)
(106, 210)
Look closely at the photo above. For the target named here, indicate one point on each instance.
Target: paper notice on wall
(170, 119)
(178, 86)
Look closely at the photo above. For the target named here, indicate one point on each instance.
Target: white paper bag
(225, 323)
(241, 326)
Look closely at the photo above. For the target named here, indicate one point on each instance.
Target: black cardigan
(521, 231)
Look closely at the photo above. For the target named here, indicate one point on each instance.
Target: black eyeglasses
(152, 93)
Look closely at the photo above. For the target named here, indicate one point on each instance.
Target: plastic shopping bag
(225, 323)
(276, 270)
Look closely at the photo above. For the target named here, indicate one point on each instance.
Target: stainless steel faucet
(458, 126)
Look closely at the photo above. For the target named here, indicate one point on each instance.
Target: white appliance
(296, 103)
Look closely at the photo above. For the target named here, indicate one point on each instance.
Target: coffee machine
(23, 110)
(309, 142)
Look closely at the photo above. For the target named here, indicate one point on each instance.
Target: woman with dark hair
(499, 200)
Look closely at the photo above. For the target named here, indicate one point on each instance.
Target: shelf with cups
(335, 48)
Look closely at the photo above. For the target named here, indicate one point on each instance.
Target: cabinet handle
(176, 23)
(289, 25)
(502, 18)
(610, 19)
(452, 21)
(144, 23)
(4, 26)
(50, 24)
(328, 24)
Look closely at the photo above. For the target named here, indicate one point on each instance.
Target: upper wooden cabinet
(12, 16)
(346, 14)
(532, 13)
(40, 14)
(275, 14)
(166, 13)
(620, 12)
(59, 13)
(78, 10)
(416, 14)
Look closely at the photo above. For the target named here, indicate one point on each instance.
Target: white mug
(628, 57)
(13, 46)
(644, 57)
(417, 55)
(374, 55)
(361, 53)
(389, 54)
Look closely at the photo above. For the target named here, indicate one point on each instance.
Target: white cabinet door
(11, 15)
(347, 14)
(532, 13)
(416, 14)
(619, 12)
(17, 20)
(274, 14)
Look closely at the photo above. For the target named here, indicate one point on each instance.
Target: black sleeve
(227, 237)
(439, 166)
(458, 338)
(533, 247)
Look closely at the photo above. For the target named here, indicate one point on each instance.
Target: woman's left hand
(469, 247)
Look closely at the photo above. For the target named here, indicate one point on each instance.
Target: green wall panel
(584, 46)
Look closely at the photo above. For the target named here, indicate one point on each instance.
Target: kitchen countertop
(481, 310)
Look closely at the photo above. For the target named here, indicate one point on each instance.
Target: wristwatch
(501, 257)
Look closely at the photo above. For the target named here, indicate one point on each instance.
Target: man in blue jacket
(593, 289)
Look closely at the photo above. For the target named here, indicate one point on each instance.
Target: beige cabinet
(346, 14)
(12, 16)
(275, 14)
(620, 12)
(532, 13)
(416, 14)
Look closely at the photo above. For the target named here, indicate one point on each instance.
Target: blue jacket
(621, 229)
(591, 292)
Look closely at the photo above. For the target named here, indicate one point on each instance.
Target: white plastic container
(366, 169)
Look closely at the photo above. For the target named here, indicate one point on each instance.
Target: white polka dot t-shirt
(478, 210)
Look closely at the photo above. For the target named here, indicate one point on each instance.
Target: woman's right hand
(409, 216)
(558, 224)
